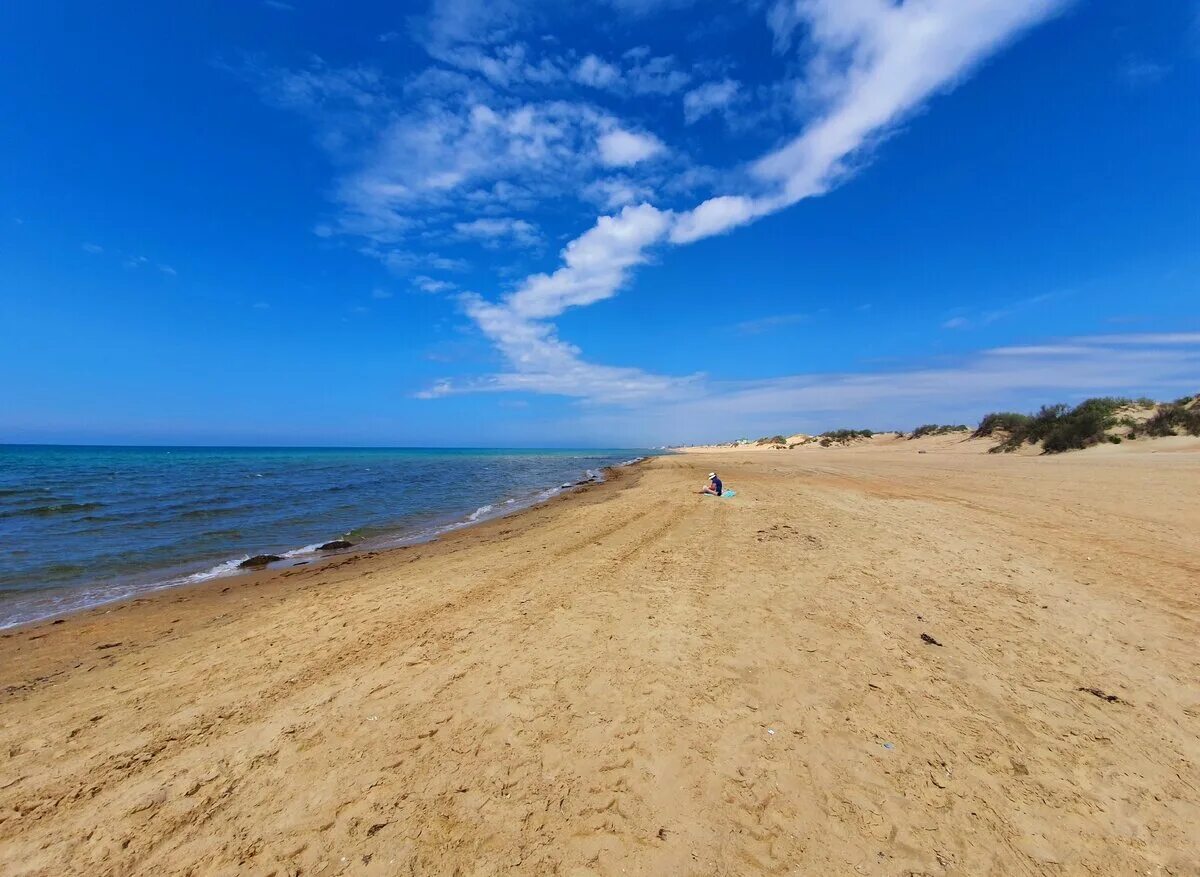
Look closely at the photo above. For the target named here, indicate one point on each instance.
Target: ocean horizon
(91, 524)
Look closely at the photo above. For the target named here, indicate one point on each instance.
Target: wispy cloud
(494, 232)
(131, 262)
(963, 318)
(432, 285)
(1141, 72)
(1000, 378)
(872, 63)
(1150, 338)
(766, 324)
(620, 148)
(502, 123)
(636, 72)
(712, 97)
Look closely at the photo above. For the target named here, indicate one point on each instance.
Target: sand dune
(640, 680)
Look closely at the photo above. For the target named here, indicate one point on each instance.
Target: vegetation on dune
(1170, 418)
(936, 429)
(1001, 421)
(846, 435)
(1058, 427)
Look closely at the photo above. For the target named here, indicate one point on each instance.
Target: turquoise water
(84, 525)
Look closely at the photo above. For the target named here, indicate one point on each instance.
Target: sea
(82, 526)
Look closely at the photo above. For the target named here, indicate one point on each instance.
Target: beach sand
(640, 680)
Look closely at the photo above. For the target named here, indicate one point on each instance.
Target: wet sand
(640, 680)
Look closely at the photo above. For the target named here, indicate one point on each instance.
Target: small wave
(482, 510)
(46, 511)
(221, 569)
(307, 549)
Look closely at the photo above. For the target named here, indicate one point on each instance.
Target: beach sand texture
(640, 680)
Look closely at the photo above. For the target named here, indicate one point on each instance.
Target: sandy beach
(869, 661)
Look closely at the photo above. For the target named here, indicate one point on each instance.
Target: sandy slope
(640, 680)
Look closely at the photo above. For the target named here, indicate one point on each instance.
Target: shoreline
(274, 575)
(865, 662)
(308, 555)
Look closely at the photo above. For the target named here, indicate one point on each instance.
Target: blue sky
(628, 222)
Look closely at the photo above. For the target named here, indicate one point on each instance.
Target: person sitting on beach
(714, 486)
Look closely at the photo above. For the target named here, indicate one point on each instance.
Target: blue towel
(728, 494)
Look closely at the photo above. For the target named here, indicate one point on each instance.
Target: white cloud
(1172, 338)
(708, 98)
(1013, 378)
(168, 270)
(657, 76)
(612, 193)
(636, 73)
(962, 318)
(1140, 72)
(595, 265)
(595, 72)
(767, 324)
(94, 249)
(495, 128)
(714, 216)
(495, 231)
(431, 285)
(874, 63)
(378, 293)
(978, 381)
(620, 148)
(871, 62)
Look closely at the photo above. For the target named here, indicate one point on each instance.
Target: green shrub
(936, 429)
(1060, 428)
(773, 440)
(846, 435)
(1005, 421)
(1172, 417)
